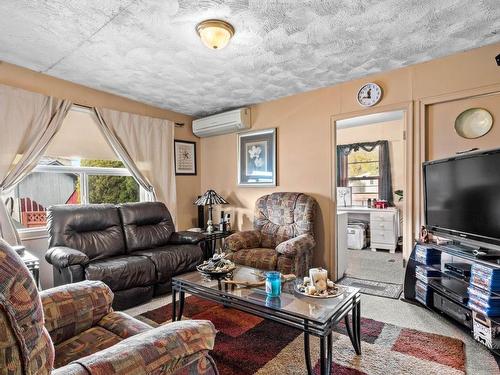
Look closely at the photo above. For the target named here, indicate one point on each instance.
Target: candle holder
(319, 278)
(273, 284)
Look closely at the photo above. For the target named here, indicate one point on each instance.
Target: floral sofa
(283, 237)
(72, 330)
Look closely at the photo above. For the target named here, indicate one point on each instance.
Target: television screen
(462, 196)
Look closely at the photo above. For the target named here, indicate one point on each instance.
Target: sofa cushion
(122, 272)
(93, 229)
(122, 324)
(172, 260)
(281, 216)
(146, 225)
(86, 343)
(261, 258)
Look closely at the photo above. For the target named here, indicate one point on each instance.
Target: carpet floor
(247, 345)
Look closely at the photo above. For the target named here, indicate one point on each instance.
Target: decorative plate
(218, 273)
(340, 290)
(473, 123)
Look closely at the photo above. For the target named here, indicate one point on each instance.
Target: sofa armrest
(296, 246)
(243, 240)
(186, 237)
(73, 308)
(61, 257)
(160, 350)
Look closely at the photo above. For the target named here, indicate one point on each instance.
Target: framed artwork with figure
(185, 157)
(257, 158)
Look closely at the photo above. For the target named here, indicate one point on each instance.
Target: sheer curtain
(343, 151)
(28, 122)
(146, 147)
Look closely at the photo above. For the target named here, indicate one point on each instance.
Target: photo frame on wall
(257, 158)
(185, 158)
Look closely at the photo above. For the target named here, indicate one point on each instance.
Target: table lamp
(209, 199)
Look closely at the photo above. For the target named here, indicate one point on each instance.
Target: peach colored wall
(391, 131)
(443, 141)
(304, 132)
(188, 187)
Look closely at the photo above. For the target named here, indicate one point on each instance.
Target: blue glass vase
(273, 284)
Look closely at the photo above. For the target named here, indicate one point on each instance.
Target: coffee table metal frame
(308, 326)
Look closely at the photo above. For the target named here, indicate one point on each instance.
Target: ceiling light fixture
(215, 34)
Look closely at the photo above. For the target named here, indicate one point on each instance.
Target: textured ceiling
(148, 50)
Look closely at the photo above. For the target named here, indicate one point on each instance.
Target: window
(78, 167)
(363, 171)
(69, 182)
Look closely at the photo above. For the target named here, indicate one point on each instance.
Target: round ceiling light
(215, 34)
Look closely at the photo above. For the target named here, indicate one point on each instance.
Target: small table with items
(211, 241)
(313, 316)
(31, 262)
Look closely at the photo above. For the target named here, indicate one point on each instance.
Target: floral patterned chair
(282, 238)
(73, 328)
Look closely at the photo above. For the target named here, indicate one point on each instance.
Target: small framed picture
(257, 158)
(344, 196)
(185, 157)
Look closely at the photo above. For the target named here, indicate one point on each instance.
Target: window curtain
(342, 173)
(28, 122)
(146, 147)
(385, 188)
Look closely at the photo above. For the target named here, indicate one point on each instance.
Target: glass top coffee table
(313, 316)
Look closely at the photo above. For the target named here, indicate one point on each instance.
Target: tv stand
(439, 280)
(458, 246)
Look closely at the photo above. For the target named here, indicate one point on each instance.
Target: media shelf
(446, 291)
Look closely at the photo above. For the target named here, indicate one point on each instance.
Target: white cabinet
(384, 229)
(384, 225)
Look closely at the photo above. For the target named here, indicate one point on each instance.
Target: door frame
(409, 146)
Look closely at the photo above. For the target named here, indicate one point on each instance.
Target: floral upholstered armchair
(282, 238)
(72, 330)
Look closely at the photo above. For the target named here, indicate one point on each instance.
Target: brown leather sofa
(133, 248)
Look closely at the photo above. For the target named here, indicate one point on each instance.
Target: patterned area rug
(375, 288)
(248, 345)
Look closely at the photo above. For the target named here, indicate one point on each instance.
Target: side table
(33, 264)
(211, 241)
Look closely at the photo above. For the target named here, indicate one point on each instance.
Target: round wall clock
(369, 94)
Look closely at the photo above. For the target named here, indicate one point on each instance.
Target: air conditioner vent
(222, 123)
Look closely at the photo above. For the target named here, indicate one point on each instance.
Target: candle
(273, 283)
(319, 278)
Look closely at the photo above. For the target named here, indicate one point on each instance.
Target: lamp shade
(215, 34)
(210, 198)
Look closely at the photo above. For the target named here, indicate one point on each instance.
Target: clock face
(369, 95)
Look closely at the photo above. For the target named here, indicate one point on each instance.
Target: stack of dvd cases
(425, 273)
(427, 255)
(423, 293)
(484, 290)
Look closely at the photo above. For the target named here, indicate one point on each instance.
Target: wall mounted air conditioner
(222, 123)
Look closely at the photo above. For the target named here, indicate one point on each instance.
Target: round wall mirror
(473, 123)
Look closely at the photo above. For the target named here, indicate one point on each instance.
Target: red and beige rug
(248, 345)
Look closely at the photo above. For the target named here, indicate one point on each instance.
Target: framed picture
(185, 157)
(257, 158)
(344, 196)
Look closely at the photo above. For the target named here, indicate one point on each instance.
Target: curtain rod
(86, 108)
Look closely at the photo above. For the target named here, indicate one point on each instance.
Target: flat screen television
(462, 196)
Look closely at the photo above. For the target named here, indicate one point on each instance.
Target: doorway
(369, 183)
